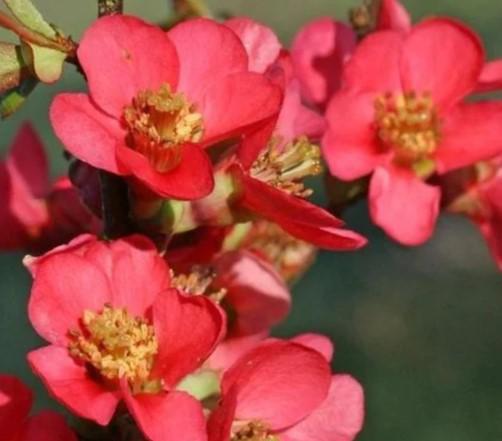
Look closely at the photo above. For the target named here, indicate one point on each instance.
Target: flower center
(158, 122)
(253, 431)
(285, 166)
(409, 124)
(115, 344)
(199, 282)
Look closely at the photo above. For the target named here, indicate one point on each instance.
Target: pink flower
(319, 52)
(119, 331)
(401, 116)
(16, 425)
(256, 298)
(34, 213)
(157, 100)
(284, 390)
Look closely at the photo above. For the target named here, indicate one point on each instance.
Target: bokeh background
(420, 328)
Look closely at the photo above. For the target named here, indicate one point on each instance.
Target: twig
(114, 191)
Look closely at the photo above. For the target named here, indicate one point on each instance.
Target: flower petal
(192, 178)
(65, 285)
(122, 55)
(27, 160)
(85, 131)
(403, 205)
(237, 103)
(137, 273)
(255, 292)
(490, 79)
(431, 63)
(47, 426)
(221, 419)
(270, 378)
(295, 215)
(260, 42)
(338, 418)
(470, 133)
(349, 145)
(15, 404)
(187, 329)
(165, 416)
(319, 52)
(394, 16)
(374, 66)
(69, 383)
(318, 342)
(208, 52)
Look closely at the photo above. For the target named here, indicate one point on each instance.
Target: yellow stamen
(116, 345)
(254, 431)
(409, 124)
(158, 122)
(285, 166)
(199, 282)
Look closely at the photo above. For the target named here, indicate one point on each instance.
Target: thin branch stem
(114, 190)
(61, 44)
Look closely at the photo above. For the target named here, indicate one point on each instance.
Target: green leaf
(12, 99)
(47, 64)
(27, 14)
(12, 66)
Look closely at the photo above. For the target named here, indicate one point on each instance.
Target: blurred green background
(420, 328)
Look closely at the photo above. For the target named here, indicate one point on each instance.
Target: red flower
(158, 99)
(118, 331)
(15, 403)
(401, 116)
(284, 390)
(34, 213)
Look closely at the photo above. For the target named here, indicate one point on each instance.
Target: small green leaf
(12, 99)
(27, 14)
(47, 63)
(12, 66)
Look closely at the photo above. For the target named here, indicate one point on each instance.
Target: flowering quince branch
(201, 140)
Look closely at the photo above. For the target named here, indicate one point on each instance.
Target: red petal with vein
(339, 418)
(238, 103)
(490, 79)
(403, 205)
(70, 384)
(374, 66)
(256, 293)
(297, 216)
(269, 379)
(470, 133)
(65, 285)
(122, 55)
(187, 329)
(349, 145)
(443, 57)
(85, 131)
(167, 416)
(208, 52)
(394, 16)
(192, 178)
(262, 45)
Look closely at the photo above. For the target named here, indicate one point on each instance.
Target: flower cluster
(193, 150)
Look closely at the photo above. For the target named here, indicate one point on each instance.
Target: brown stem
(110, 7)
(114, 192)
(61, 44)
(364, 18)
